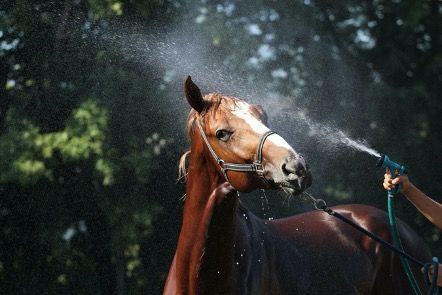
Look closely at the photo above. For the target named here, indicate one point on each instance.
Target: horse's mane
(213, 101)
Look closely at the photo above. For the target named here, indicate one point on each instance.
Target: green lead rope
(398, 244)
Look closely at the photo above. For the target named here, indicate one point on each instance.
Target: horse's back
(345, 261)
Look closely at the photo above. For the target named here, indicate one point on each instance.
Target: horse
(223, 248)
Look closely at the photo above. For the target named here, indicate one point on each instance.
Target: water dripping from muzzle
(265, 207)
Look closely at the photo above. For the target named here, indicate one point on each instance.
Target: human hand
(439, 274)
(390, 183)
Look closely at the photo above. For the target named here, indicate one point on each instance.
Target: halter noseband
(256, 166)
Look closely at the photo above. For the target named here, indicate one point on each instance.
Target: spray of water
(176, 55)
(329, 135)
(359, 146)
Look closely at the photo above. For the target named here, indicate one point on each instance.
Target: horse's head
(241, 146)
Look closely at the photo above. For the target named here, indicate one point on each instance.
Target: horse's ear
(193, 95)
(262, 113)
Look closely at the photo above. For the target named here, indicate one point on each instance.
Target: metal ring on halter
(319, 204)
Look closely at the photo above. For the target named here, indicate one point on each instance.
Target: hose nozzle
(381, 160)
(395, 169)
(386, 162)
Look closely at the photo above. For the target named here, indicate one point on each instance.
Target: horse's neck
(207, 231)
(220, 243)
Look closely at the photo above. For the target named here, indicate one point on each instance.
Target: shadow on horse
(224, 249)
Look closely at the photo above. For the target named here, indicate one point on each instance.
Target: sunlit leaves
(133, 261)
(27, 154)
(338, 192)
(105, 8)
(105, 168)
(85, 126)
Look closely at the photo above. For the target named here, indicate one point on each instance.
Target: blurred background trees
(92, 119)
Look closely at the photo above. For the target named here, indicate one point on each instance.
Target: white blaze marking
(243, 113)
(277, 139)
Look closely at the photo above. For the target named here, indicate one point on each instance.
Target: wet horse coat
(225, 249)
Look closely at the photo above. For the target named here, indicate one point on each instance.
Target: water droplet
(265, 207)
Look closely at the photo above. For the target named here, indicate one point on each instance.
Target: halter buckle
(259, 169)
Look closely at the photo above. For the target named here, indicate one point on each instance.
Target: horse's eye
(223, 134)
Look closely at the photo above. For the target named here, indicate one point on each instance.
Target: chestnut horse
(225, 249)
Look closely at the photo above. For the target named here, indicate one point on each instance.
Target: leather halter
(256, 166)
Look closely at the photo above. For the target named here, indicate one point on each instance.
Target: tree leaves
(27, 154)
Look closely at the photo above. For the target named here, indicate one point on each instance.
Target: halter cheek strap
(256, 166)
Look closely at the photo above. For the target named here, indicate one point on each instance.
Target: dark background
(92, 120)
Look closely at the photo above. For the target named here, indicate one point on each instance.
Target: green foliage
(89, 138)
(27, 153)
(337, 192)
(106, 8)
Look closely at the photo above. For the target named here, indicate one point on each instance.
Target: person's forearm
(427, 206)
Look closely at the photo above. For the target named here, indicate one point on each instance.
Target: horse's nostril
(300, 168)
(284, 169)
(294, 167)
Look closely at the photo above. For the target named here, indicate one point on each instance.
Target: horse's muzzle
(297, 173)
